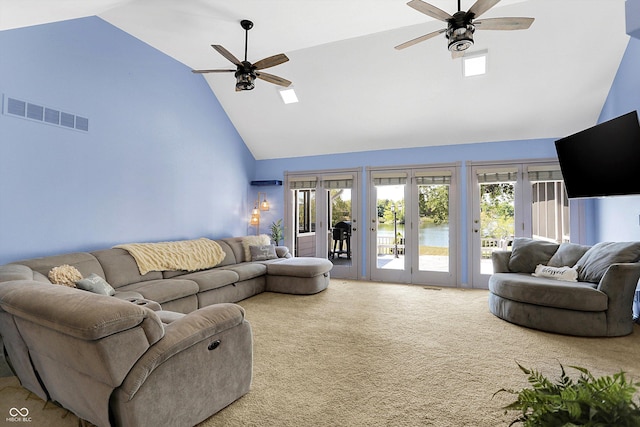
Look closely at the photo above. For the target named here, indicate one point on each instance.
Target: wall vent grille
(39, 113)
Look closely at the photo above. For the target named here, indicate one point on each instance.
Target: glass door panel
(389, 244)
(390, 240)
(433, 227)
(497, 220)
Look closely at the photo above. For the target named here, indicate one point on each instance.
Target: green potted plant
(587, 401)
(277, 231)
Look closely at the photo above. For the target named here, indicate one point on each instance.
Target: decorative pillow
(282, 252)
(595, 262)
(263, 252)
(559, 273)
(567, 255)
(248, 241)
(96, 284)
(527, 253)
(65, 274)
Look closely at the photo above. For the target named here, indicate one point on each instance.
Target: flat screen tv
(603, 160)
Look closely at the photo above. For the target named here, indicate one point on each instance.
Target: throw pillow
(527, 253)
(248, 241)
(559, 273)
(263, 252)
(567, 255)
(96, 284)
(64, 274)
(595, 262)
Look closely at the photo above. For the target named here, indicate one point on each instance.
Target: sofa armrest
(182, 334)
(619, 283)
(500, 260)
(283, 252)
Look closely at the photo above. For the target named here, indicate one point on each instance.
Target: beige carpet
(371, 354)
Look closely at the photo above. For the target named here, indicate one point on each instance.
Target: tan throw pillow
(65, 274)
(249, 241)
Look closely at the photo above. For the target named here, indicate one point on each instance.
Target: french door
(513, 200)
(412, 225)
(322, 218)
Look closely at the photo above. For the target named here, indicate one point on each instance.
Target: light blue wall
(161, 159)
(617, 218)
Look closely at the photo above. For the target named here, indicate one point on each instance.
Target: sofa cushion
(163, 290)
(527, 253)
(121, 269)
(95, 284)
(213, 279)
(595, 262)
(20, 272)
(567, 255)
(85, 262)
(548, 292)
(248, 241)
(65, 274)
(300, 267)
(565, 273)
(263, 252)
(247, 270)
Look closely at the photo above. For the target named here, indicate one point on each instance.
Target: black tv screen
(603, 160)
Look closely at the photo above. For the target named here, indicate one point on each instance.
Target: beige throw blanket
(188, 255)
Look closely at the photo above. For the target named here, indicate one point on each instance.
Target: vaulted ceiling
(356, 91)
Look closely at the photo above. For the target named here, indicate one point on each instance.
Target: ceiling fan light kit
(461, 25)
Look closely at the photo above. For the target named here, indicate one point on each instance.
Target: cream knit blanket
(188, 255)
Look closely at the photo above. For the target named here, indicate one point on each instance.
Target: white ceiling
(356, 91)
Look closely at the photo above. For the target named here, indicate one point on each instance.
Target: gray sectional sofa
(162, 348)
(568, 289)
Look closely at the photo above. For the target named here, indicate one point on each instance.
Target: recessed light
(474, 64)
(288, 95)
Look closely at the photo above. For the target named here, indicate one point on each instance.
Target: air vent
(39, 113)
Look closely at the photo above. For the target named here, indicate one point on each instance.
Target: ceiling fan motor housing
(245, 76)
(460, 32)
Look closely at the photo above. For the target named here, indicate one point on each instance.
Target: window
(306, 210)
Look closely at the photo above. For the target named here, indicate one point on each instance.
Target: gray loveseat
(598, 303)
(166, 348)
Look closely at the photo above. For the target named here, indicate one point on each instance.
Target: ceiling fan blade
(429, 9)
(271, 61)
(420, 39)
(224, 52)
(503, 23)
(273, 79)
(212, 71)
(481, 6)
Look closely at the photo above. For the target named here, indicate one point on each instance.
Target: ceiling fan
(462, 25)
(245, 71)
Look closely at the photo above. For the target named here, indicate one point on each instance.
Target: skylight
(288, 95)
(474, 64)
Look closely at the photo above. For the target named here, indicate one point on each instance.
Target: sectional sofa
(144, 348)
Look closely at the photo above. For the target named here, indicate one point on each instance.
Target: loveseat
(568, 288)
(144, 348)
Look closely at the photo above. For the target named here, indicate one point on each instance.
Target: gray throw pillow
(567, 255)
(527, 253)
(263, 252)
(595, 262)
(95, 284)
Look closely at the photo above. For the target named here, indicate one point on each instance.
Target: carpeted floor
(373, 354)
